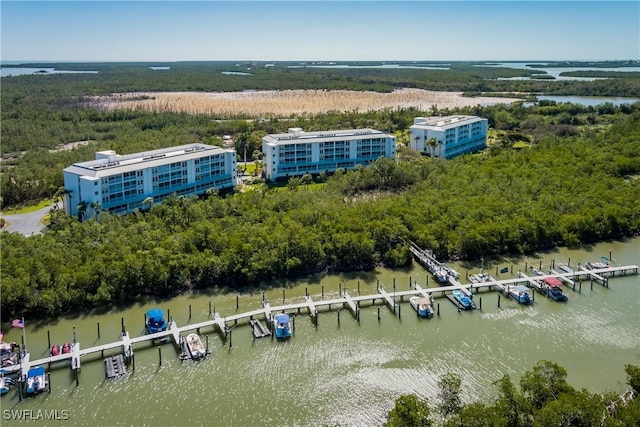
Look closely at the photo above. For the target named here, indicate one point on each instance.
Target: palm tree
(439, 148)
(432, 143)
(96, 206)
(82, 209)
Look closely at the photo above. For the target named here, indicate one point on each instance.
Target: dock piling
(533, 294)
(293, 320)
(133, 361)
(283, 296)
(540, 264)
(49, 381)
(210, 304)
(122, 324)
(497, 270)
(553, 263)
(189, 311)
(498, 300)
(399, 312)
(580, 288)
(207, 341)
(99, 328)
(358, 287)
(340, 288)
(322, 291)
(525, 266)
(230, 342)
(378, 314)
(238, 300)
(338, 317)
(569, 262)
(438, 309)
(480, 303)
(49, 339)
(159, 356)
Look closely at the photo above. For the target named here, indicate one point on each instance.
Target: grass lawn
(28, 208)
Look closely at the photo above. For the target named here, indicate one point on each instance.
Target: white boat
(5, 383)
(36, 380)
(422, 306)
(480, 278)
(521, 294)
(194, 346)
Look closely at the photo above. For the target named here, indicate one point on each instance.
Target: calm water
(555, 71)
(586, 100)
(6, 72)
(347, 374)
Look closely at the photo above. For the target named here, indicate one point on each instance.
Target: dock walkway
(218, 322)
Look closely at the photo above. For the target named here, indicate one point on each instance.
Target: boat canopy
(282, 318)
(155, 314)
(35, 372)
(552, 281)
(423, 301)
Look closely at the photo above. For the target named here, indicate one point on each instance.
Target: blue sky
(318, 30)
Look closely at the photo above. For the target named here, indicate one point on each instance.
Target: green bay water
(348, 373)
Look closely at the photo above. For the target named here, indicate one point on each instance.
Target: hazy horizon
(307, 31)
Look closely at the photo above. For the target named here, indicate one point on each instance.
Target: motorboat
(155, 321)
(5, 383)
(480, 278)
(422, 306)
(194, 346)
(521, 294)
(552, 287)
(566, 269)
(282, 325)
(464, 301)
(36, 380)
(8, 355)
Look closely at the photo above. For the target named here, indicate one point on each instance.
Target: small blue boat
(464, 300)
(36, 380)
(155, 321)
(283, 326)
(520, 293)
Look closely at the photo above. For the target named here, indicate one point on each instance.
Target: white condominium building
(298, 152)
(452, 135)
(123, 183)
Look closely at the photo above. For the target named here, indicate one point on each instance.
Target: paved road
(27, 223)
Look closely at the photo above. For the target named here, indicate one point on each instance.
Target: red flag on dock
(17, 323)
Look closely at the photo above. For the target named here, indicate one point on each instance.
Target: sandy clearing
(287, 102)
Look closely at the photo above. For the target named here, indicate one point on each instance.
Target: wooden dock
(218, 323)
(258, 329)
(564, 279)
(114, 367)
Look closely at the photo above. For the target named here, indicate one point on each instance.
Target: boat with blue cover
(422, 306)
(155, 321)
(36, 380)
(465, 302)
(282, 325)
(520, 293)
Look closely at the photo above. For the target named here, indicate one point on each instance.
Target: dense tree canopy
(561, 191)
(544, 399)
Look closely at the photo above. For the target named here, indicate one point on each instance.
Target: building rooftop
(297, 135)
(109, 163)
(444, 122)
